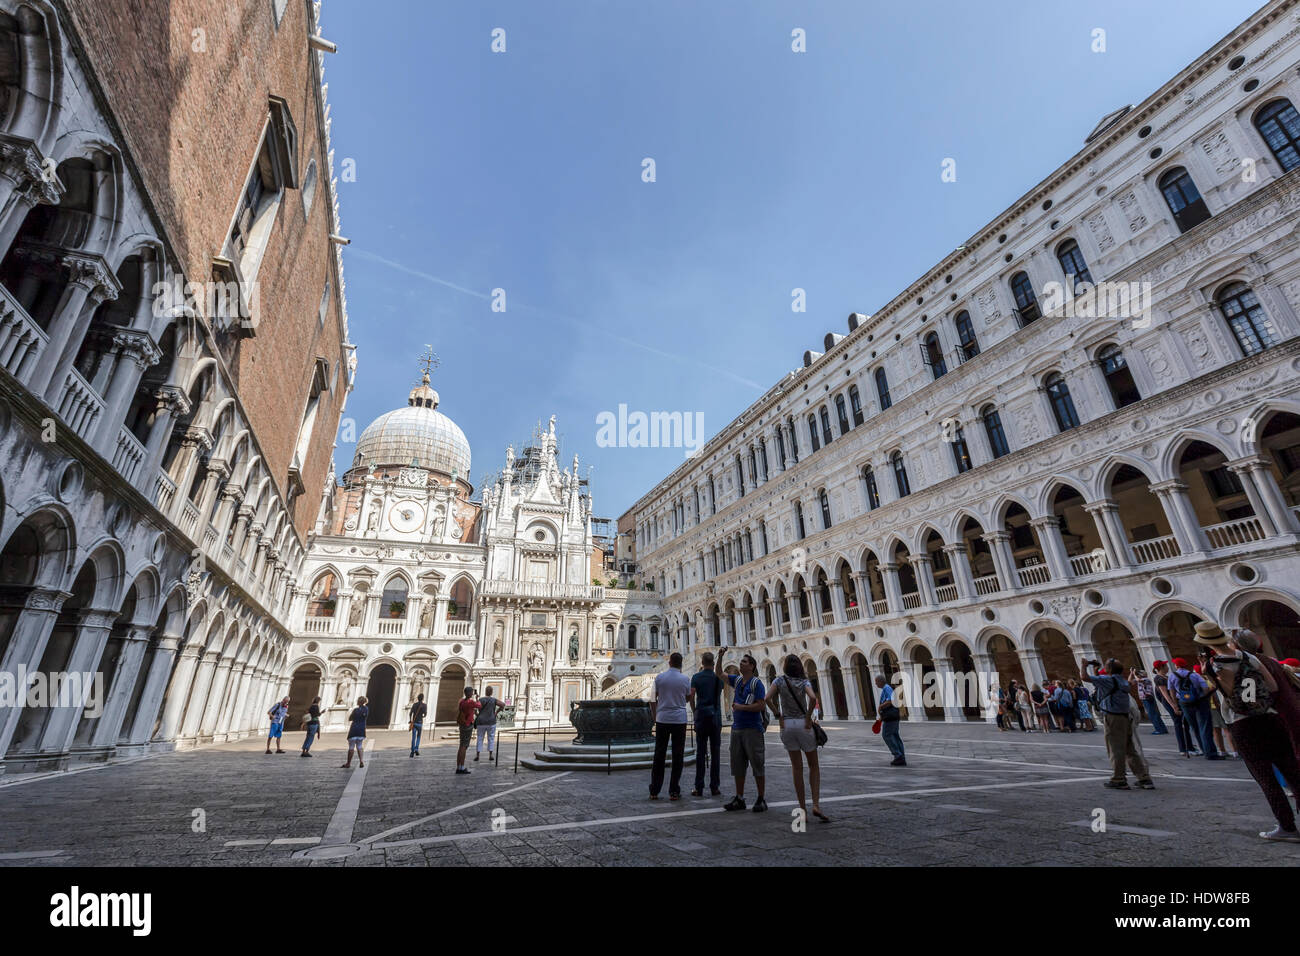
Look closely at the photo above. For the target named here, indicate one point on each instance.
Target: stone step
(576, 757)
(563, 763)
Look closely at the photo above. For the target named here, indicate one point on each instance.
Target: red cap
(1291, 662)
(1179, 662)
(1155, 664)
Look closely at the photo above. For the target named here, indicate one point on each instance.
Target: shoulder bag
(818, 733)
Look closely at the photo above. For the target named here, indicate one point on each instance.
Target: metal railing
(570, 730)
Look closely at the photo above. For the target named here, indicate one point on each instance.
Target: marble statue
(536, 658)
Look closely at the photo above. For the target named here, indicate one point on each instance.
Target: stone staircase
(632, 687)
(639, 756)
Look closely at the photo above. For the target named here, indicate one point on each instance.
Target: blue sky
(522, 171)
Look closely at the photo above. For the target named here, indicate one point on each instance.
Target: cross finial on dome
(428, 361)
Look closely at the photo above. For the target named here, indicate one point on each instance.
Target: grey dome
(416, 434)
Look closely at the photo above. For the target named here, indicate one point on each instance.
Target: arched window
(969, 346)
(842, 413)
(393, 602)
(753, 467)
(1184, 200)
(993, 429)
(794, 440)
(960, 452)
(826, 425)
(900, 475)
(631, 637)
(825, 502)
(812, 432)
(1251, 325)
(869, 488)
(713, 497)
(654, 638)
(780, 447)
(932, 355)
(740, 474)
(1070, 257)
(1058, 393)
(1026, 302)
(882, 388)
(1123, 390)
(798, 519)
(324, 596)
(762, 457)
(855, 403)
(1279, 124)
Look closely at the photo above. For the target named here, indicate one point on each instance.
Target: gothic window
(1123, 390)
(855, 402)
(882, 388)
(1026, 302)
(932, 353)
(762, 457)
(1070, 257)
(869, 488)
(812, 432)
(1058, 393)
(968, 346)
(900, 475)
(826, 425)
(1279, 124)
(1253, 329)
(798, 520)
(1184, 199)
(794, 440)
(993, 429)
(960, 451)
(740, 475)
(780, 448)
(826, 508)
(841, 412)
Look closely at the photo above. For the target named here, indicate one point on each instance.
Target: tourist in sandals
(357, 733)
(278, 714)
(797, 701)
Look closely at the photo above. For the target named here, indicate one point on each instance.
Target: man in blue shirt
(890, 714)
(706, 691)
(1115, 703)
(747, 727)
(1192, 697)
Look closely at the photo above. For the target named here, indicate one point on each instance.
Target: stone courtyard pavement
(971, 795)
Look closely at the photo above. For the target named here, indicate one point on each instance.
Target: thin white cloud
(684, 359)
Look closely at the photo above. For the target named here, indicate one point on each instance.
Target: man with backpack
(1192, 695)
(278, 714)
(706, 692)
(486, 723)
(419, 710)
(1114, 700)
(1064, 698)
(748, 723)
(1248, 699)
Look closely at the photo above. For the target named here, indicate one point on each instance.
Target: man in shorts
(487, 723)
(747, 727)
(465, 713)
(278, 713)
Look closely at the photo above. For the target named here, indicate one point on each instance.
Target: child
(357, 733)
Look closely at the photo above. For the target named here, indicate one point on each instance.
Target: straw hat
(1207, 632)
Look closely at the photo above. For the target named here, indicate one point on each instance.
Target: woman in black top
(357, 732)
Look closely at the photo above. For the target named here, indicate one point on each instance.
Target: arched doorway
(928, 684)
(1006, 661)
(1178, 631)
(1113, 639)
(1276, 623)
(1058, 655)
(967, 681)
(860, 672)
(839, 702)
(380, 689)
(304, 687)
(451, 688)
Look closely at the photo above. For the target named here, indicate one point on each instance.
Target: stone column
(1177, 504)
(1105, 513)
(893, 592)
(151, 698)
(916, 673)
(89, 283)
(792, 603)
(199, 693)
(169, 400)
(924, 571)
(1004, 562)
(1151, 647)
(216, 699)
(1260, 470)
(87, 650)
(863, 581)
(1247, 471)
(839, 612)
(760, 621)
(177, 693)
(25, 182)
(233, 722)
(814, 607)
(109, 728)
(40, 612)
(962, 576)
(1031, 662)
(852, 700)
(1048, 529)
(136, 354)
(946, 672)
(988, 681)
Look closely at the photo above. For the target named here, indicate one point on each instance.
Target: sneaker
(898, 762)
(476, 758)
(715, 793)
(736, 803)
(1146, 784)
(1112, 785)
(1284, 836)
(697, 793)
(462, 769)
(759, 805)
(674, 796)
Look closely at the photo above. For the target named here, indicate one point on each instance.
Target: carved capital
(92, 273)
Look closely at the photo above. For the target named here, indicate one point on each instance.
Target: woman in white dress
(793, 700)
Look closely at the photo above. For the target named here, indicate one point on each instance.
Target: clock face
(406, 517)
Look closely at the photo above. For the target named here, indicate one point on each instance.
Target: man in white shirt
(668, 711)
